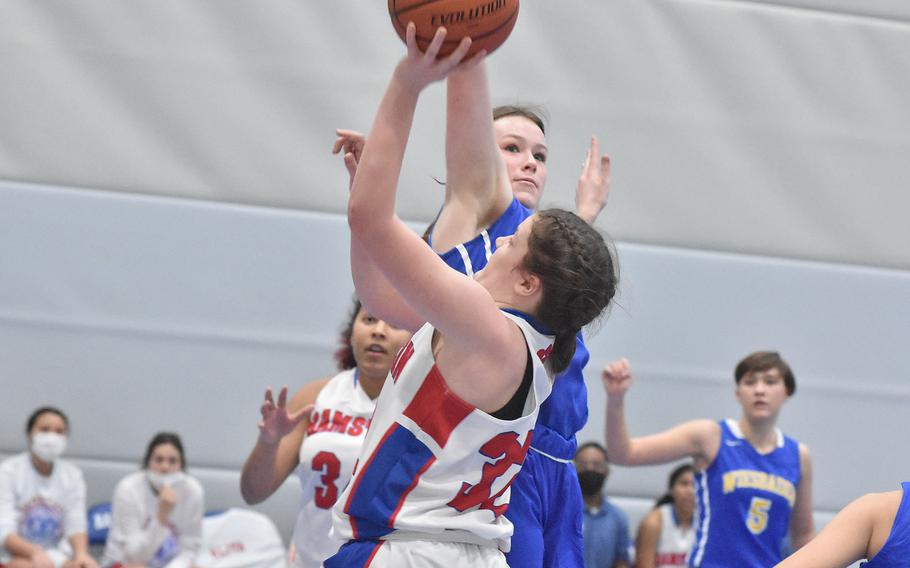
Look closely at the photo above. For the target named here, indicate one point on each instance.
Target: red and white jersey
(675, 541)
(338, 426)
(433, 466)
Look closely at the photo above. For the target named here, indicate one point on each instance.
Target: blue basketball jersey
(896, 550)
(565, 412)
(743, 502)
(472, 256)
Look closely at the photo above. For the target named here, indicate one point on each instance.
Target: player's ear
(528, 283)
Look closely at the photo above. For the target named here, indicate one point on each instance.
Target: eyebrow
(523, 139)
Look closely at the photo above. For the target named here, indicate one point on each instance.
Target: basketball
(487, 22)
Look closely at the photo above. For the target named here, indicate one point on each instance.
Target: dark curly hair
(578, 274)
(344, 355)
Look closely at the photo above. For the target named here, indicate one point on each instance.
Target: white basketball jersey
(433, 466)
(675, 541)
(338, 426)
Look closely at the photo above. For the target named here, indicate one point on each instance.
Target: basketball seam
(411, 7)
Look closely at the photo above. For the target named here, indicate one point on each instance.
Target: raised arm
(698, 439)
(477, 186)
(380, 298)
(857, 532)
(458, 306)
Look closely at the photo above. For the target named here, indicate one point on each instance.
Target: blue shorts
(547, 510)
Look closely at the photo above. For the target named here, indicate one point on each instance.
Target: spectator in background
(665, 535)
(156, 519)
(42, 500)
(606, 527)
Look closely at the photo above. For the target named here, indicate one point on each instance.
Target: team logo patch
(544, 354)
(42, 522)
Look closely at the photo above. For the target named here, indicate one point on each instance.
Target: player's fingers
(410, 38)
(455, 58)
(350, 162)
(438, 38)
(304, 412)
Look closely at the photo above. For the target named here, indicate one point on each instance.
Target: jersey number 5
(757, 521)
(328, 464)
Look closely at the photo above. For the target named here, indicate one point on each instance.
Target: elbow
(248, 491)
(619, 456)
(251, 496)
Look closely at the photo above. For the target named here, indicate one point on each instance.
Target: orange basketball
(487, 22)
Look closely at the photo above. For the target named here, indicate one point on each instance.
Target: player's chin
(527, 197)
(375, 360)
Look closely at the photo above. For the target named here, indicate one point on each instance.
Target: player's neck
(683, 517)
(371, 385)
(762, 434)
(42, 467)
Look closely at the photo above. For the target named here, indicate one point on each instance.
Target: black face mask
(591, 482)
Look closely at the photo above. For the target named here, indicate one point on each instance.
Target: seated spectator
(156, 519)
(665, 535)
(42, 500)
(606, 527)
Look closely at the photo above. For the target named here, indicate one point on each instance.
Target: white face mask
(48, 446)
(160, 480)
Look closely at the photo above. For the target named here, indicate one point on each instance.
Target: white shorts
(433, 554)
(58, 555)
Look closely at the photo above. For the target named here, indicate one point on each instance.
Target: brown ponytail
(578, 275)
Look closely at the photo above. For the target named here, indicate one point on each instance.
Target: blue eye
(540, 157)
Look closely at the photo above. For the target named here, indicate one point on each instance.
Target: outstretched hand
(420, 68)
(352, 142)
(617, 377)
(593, 184)
(276, 422)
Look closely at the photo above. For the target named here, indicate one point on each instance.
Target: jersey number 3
(757, 521)
(328, 464)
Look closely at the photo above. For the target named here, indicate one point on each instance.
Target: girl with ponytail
(453, 424)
